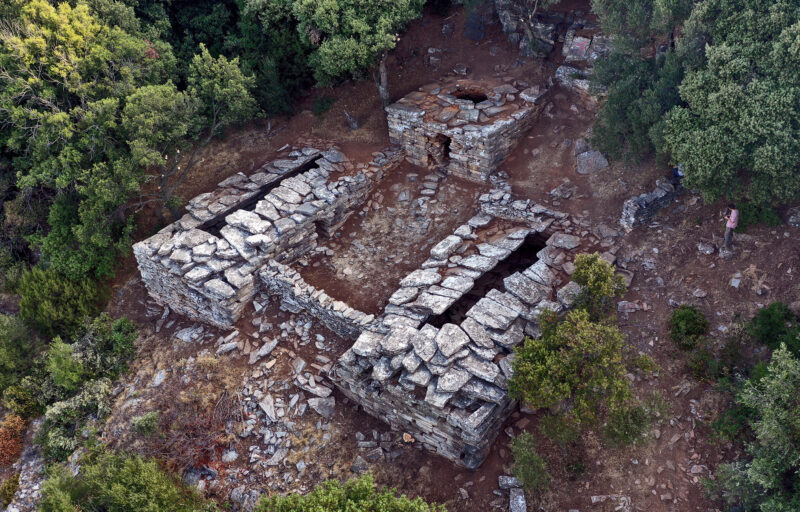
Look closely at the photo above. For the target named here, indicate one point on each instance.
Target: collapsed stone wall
(642, 208)
(203, 265)
(447, 386)
(443, 125)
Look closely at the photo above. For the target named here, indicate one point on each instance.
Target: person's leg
(728, 236)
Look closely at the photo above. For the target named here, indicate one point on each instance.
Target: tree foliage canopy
(577, 365)
(349, 35)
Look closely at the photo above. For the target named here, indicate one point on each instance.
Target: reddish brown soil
(383, 242)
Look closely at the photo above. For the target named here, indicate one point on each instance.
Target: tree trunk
(383, 82)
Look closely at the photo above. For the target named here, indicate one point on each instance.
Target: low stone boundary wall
(641, 209)
(297, 295)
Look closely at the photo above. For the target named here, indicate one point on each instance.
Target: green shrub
(751, 214)
(687, 326)
(630, 425)
(559, 430)
(600, 285)
(55, 305)
(576, 365)
(116, 482)
(17, 350)
(322, 104)
(776, 324)
(627, 426)
(66, 370)
(530, 468)
(21, 401)
(357, 495)
(60, 432)
(146, 424)
(731, 424)
(768, 479)
(8, 489)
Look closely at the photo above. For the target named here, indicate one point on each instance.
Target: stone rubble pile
(641, 209)
(441, 124)
(447, 386)
(203, 265)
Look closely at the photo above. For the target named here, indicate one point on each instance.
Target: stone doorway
(438, 151)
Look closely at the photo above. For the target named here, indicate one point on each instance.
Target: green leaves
(357, 495)
(349, 35)
(577, 367)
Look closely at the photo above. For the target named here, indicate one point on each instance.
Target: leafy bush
(11, 439)
(530, 468)
(576, 364)
(776, 324)
(629, 425)
(8, 489)
(60, 432)
(769, 480)
(21, 401)
(600, 284)
(687, 326)
(322, 104)
(559, 430)
(55, 305)
(17, 350)
(116, 482)
(751, 214)
(146, 424)
(63, 367)
(357, 495)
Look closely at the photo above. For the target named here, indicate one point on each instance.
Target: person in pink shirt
(731, 223)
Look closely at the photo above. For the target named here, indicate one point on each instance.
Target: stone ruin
(464, 127)
(203, 265)
(435, 363)
(641, 209)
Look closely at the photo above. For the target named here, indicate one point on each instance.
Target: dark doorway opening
(520, 259)
(213, 226)
(438, 150)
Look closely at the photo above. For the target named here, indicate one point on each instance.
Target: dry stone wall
(641, 209)
(447, 386)
(466, 127)
(297, 295)
(203, 265)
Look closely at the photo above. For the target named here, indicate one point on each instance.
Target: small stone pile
(465, 127)
(203, 265)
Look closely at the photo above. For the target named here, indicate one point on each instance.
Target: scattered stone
(323, 406)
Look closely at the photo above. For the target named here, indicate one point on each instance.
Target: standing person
(732, 222)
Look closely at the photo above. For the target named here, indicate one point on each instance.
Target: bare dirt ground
(375, 249)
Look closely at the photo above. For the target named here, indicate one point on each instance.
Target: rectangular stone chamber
(465, 127)
(435, 364)
(204, 265)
